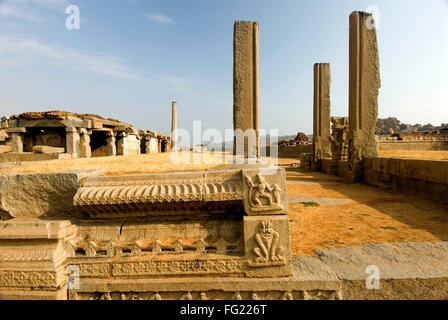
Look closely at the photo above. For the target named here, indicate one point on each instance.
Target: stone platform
(311, 280)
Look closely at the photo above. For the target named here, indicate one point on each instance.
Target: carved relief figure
(262, 194)
(338, 138)
(267, 241)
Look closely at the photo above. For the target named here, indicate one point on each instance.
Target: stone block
(405, 270)
(47, 149)
(33, 257)
(39, 194)
(5, 149)
(267, 246)
(265, 191)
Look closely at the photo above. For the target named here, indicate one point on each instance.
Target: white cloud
(14, 50)
(29, 9)
(9, 10)
(159, 18)
(32, 50)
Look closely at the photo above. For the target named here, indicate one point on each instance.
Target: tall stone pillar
(72, 141)
(364, 84)
(16, 142)
(84, 144)
(246, 92)
(174, 126)
(321, 119)
(111, 149)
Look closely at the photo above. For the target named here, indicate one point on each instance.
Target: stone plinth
(47, 149)
(246, 88)
(225, 228)
(311, 280)
(364, 84)
(33, 257)
(321, 118)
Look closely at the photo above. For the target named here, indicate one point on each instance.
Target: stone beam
(321, 119)
(364, 84)
(246, 92)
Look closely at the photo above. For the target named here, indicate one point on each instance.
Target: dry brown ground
(415, 154)
(373, 216)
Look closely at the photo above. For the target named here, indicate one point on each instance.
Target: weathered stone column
(168, 145)
(111, 149)
(364, 83)
(84, 145)
(246, 92)
(72, 141)
(152, 145)
(159, 144)
(174, 126)
(16, 142)
(122, 144)
(321, 119)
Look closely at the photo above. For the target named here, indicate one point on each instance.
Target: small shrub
(311, 204)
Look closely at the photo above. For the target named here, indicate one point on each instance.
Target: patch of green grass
(310, 204)
(389, 228)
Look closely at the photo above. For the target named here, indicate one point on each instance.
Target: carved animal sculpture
(267, 243)
(263, 190)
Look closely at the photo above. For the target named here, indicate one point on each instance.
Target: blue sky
(131, 58)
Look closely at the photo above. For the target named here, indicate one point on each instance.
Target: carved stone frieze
(210, 295)
(140, 194)
(178, 267)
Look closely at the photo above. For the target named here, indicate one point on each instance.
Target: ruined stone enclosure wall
(413, 145)
(428, 178)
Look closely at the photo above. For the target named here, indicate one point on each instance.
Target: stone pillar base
(32, 258)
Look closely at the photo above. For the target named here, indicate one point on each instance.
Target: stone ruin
(158, 229)
(76, 135)
(364, 85)
(221, 233)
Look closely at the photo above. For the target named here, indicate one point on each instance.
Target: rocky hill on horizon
(392, 125)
